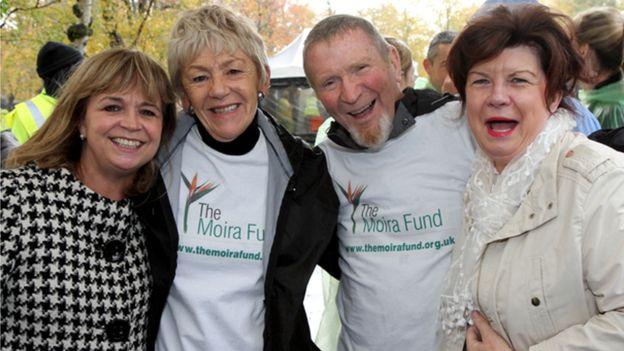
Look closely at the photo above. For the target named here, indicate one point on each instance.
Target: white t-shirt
(400, 210)
(216, 301)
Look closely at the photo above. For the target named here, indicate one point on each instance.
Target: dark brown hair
(535, 26)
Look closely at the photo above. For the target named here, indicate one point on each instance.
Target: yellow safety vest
(29, 116)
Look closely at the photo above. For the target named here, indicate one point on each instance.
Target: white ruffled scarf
(491, 199)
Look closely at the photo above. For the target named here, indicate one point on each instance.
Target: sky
(353, 6)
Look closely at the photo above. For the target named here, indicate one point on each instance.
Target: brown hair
(602, 28)
(536, 26)
(57, 143)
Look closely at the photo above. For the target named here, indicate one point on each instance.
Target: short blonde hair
(217, 28)
(57, 144)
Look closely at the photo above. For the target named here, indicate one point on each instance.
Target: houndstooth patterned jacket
(75, 271)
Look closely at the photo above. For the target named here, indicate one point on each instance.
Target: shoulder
(592, 160)
(22, 175)
(451, 111)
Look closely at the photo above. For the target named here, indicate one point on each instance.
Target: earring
(260, 96)
(82, 137)
(191, 111)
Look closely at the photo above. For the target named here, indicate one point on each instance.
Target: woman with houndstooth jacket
(82, 267)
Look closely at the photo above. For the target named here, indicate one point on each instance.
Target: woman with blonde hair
(600, 35)
(254, 206)
(84, 262)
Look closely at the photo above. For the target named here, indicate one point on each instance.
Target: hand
(481, 336)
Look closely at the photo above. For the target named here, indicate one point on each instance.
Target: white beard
(374, 138)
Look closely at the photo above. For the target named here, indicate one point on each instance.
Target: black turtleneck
(239, 146)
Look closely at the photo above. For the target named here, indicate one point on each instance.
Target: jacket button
(117, 330)
(550, 205)
(114, 251)
(535, 301)
(531, 215)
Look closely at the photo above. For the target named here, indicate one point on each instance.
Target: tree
(277, 21)
(144, 24)
(79, 33)
(401, 25)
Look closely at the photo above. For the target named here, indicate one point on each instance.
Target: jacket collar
(541, 203)
(412, 104)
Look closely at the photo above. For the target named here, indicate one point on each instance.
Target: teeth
(502, 126)
(127, 142)
(225, 109)
(362, 109)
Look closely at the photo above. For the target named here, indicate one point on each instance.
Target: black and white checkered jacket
(75, 266)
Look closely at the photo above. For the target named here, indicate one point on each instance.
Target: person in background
(55, 62)
(538, 264)
(407, 63)
(600, 36)
(400, 206)
(254, 206)
(407, 81)
(435, 64)
(84, 263)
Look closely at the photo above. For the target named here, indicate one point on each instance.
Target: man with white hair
(399, 180)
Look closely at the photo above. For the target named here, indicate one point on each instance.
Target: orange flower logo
(353, 196)
(195, 193)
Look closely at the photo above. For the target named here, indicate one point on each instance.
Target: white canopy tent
(288, 63)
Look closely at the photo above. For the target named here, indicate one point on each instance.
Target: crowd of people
(155, 211)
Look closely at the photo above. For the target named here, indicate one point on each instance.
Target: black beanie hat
(54, 57)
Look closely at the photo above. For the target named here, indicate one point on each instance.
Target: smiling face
(506, 104)
(357, 86)
(223, 90)
(122, 133)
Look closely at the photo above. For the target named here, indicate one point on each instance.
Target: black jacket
(162, 248)
(305, 237)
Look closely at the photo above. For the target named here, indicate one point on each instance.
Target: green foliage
(4, 7)
(128, 23)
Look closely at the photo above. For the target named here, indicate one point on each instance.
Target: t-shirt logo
(353, 197)
(195, 193)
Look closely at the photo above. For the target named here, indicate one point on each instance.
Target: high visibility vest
(29, 116)
(5, 123)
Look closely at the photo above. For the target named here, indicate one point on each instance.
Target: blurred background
(93, 25)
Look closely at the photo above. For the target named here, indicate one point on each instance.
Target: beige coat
(553, 277)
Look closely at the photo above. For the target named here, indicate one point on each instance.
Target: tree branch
(38, 5)
(147, 13)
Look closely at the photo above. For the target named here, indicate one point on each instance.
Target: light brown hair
(405, 55)
(602, 28)
(57, 143)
